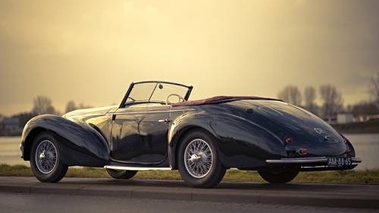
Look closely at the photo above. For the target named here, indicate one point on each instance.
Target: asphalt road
(58, 203)
(105, 190)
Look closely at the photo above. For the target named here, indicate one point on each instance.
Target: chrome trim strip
(149, 112)
(299, 160)
(306, 160)
(130, 168)
(356, 160)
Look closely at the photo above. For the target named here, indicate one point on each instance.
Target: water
(366, 147)
(10, 151)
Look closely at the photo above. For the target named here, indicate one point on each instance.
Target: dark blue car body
(247, 133)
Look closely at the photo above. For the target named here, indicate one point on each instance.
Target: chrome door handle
(164, 121)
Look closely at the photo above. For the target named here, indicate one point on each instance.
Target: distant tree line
(374, 87)
(331, 100)
(41, 105)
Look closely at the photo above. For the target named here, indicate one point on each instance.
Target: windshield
(157, 92)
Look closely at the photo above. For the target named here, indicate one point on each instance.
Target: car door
(139, 134)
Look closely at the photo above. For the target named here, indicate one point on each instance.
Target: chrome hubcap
(198, 158)
(46, 156)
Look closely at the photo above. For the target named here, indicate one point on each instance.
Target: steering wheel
(180, 98)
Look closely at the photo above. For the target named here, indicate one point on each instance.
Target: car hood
(90, 112)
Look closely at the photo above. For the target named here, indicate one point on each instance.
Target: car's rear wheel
(198, 160)
(45, 158)
(121, 174)
(278, 175)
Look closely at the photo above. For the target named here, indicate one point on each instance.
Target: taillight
(289, 140)
(302, 151)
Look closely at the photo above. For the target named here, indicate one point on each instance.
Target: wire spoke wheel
(199, 163)
(45, 160)
(46, 156)
(198, 158)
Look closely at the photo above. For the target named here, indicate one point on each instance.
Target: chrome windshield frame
(149, 95)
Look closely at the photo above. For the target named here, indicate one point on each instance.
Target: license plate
(338, 161)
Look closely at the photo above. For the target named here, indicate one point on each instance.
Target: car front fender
(80, 144)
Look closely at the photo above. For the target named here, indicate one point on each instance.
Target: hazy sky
(89, 51)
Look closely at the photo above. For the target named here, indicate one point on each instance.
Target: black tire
(121, 174)
(278, 175)
(45, 158)
(198, 160)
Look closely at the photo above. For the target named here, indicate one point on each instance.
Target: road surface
(59, 203)
(311, 195)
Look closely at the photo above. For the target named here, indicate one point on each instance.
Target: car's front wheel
(121, 174)
(278, 175)
(198, 160)
(45, 158)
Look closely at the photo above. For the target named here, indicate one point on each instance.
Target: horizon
(61, 109)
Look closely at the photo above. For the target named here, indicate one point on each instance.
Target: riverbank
(343, 177)
(367, 127)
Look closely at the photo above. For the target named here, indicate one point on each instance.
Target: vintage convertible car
(156, 127)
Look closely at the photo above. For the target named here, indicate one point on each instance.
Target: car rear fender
(236, 136)
(184, 124)
(79, 143)
(350, 148)
(234, 130)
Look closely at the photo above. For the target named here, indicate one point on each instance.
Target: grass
(342, 177)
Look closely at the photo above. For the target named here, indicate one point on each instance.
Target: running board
(130, 168)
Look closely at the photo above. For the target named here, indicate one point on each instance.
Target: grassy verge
(354, 177)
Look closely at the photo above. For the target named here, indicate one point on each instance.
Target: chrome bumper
(317, 163)
(310, 160)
